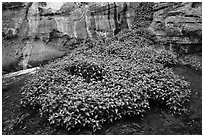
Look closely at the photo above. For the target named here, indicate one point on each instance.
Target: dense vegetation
(103, 81)
(192, 61)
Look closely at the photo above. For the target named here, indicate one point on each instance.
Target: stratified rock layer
(59, 25)
(178, 23)
(80, 21)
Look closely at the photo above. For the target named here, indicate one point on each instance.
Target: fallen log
(21, 72)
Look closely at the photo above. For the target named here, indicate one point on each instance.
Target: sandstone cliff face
(58, 25)
(178, 23)
(80, 21)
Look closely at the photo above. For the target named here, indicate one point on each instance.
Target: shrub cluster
(192, 61)
(89, 72)
(144, 15)
(69, 101)
(104, 83)
(137, 37)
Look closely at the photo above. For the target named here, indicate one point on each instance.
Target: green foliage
(70, 101)
(166, 57)
(137, 37)
(192, 61)
(143, 15)
(104, 83)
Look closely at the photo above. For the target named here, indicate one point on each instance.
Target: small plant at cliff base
(137, 37)
(165, 57)
(128, 51)
(192, 61)
(143, 18)
(88, 89)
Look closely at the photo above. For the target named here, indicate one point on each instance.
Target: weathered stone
(80, 21)
(179, 23)
(44, 29)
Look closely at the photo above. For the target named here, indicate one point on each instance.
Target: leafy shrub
(88, 89)
(166, 57)
(164, 87)
(192, 61)
(102, 82)
(87, 71)
(137, 37)
(144, 15)
(69, 101)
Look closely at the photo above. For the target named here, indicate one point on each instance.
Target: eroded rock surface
(179, 23)
(59, 25)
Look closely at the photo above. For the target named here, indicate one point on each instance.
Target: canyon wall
(179, 24)
(39, 19)
(55, 26)
(39, 31)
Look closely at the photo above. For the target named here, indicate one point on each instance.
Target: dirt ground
(157, 121)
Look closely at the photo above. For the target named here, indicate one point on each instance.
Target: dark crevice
(88, 71)
(109, 16)
(192, 16)
(117, 25)
(196, 4)
(124, 24)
